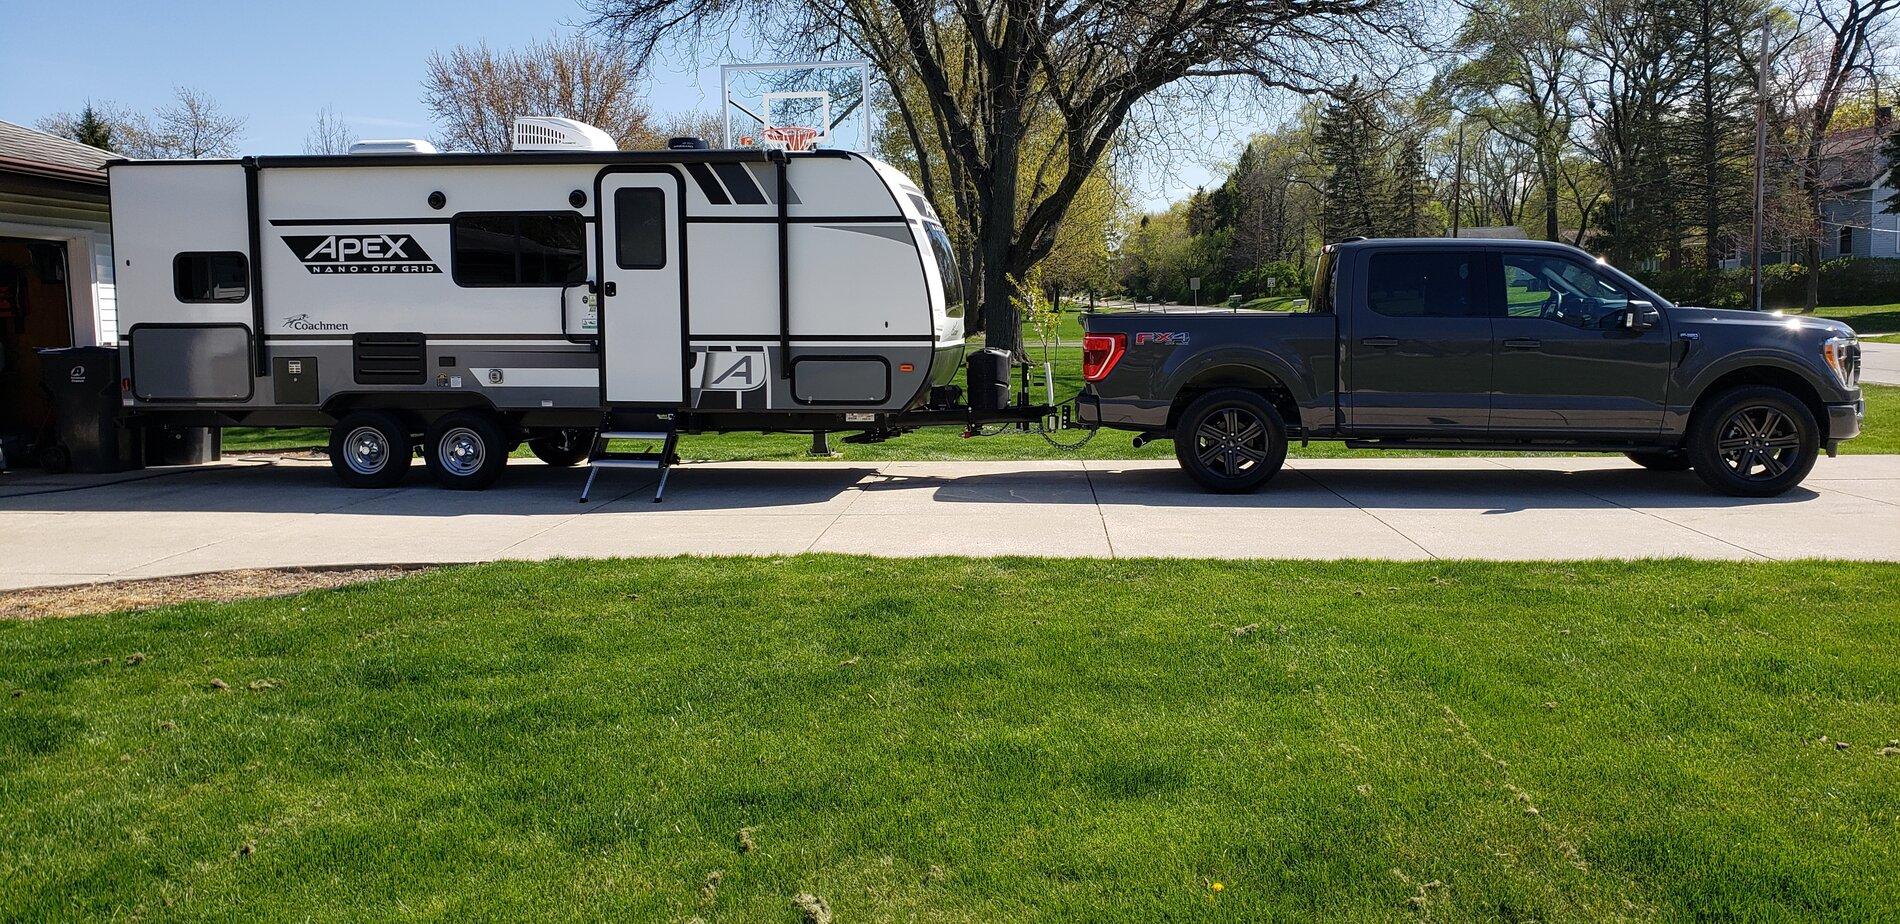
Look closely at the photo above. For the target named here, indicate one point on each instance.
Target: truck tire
(370, 449)
(1230, 441)
(1661, 460)
(1753, 441)
(562, 448)
(465, 451)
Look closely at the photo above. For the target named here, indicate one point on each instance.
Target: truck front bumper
(1843, 421)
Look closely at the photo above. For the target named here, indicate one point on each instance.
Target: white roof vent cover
(552, 133)
(392, 146)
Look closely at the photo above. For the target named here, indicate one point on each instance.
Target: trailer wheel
(465, 451)
(1230, 440)
(562, 448)
(370, 449)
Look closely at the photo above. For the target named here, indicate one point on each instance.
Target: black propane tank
(989, 379)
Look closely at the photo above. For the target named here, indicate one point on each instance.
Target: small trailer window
(518, 248)
(211, 277)
(947, 268)
(640, 228)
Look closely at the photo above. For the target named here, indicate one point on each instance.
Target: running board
(1499, 446)
(602, 455)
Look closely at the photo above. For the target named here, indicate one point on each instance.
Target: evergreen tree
(90, 128)
(1410, 190)
(1349, 136)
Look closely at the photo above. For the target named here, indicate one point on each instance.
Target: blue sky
(277, 64)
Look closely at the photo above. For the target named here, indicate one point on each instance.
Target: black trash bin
(84, 385)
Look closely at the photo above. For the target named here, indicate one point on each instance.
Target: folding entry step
(603, 456)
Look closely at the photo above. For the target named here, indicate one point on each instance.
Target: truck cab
(1496, 345)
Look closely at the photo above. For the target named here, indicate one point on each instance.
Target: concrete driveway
(1880, 362)
(252, 514)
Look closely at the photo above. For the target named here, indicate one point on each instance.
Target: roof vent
(551, 133)
(393, 146)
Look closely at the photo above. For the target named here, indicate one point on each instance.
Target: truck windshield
(947, 268)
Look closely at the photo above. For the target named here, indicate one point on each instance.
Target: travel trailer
(561, 294)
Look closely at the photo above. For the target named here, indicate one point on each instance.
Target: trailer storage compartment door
(642, 287)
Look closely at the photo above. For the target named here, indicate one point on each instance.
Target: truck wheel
(1754, 441)
(465, 451)
(370, 449)
(1230, 441)
(1661, 460)
(562, 448)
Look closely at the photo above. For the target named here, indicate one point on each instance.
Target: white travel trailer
(559, 292)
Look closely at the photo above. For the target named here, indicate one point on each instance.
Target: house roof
(1851, 158)
(26, 150)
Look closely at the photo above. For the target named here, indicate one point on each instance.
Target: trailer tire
(1230, 440)
(465, 451)
(562, 448)
(370, 449)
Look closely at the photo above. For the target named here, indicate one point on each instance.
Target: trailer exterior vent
(551, 133)
(393, 146)
(389, 359)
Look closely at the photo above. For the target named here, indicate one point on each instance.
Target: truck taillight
(1100, 353)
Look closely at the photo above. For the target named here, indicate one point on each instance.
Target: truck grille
(389, 359)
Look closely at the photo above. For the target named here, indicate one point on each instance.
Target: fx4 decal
(360, 253)
(1179, 338)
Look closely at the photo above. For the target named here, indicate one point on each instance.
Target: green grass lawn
(969, 740)
(1866, 319)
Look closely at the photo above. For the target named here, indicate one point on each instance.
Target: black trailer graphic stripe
(739, 182)
(301, 222)
(708, 185)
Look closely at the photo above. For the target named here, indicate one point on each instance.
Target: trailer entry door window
(518, 248)
(211, 277)
(640, 228)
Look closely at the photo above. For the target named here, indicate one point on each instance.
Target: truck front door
(642, 292)
(1566, 364)
(1418, 347)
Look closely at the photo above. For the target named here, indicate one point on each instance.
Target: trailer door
(642, 293)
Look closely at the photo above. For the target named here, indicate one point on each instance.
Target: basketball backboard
(830, 96)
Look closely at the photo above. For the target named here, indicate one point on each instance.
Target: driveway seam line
(1100, 516)
(1663, 519)
(857, 487)
(1376, 518)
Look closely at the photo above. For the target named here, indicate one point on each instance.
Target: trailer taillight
(1100, 353)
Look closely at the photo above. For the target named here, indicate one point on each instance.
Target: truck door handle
(1380, 341)
(1523, 343)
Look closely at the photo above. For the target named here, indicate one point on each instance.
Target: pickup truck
(1458, 344)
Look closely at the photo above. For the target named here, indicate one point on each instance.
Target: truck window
(1556, 289)
(223, 276)
(518, 248)
(1426, 284)
(1321, 301)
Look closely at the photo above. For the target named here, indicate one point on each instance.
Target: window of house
(640, 228)
(223, 276)
(518, 248)
(1426, 284)
(1847, 242)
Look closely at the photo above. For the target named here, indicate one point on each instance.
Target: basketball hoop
(792, 137)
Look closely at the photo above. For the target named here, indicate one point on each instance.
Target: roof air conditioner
(393, 146)
(551, 133)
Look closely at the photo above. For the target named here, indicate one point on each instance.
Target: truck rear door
(1418, 343)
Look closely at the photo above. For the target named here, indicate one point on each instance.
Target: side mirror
(1638, 315)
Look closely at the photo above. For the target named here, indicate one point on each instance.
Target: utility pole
(1761, 157)
(1458, 180)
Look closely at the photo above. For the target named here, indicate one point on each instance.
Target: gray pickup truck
(1458, 344)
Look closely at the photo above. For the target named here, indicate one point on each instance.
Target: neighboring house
(1854, 217)
(55, 263)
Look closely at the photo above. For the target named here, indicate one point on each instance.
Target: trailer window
(211, 277)
(518, 248)
(640, 228)
(947, 268)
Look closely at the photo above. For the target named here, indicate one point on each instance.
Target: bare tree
(475, 93)
(331, 135)
(988, 68)
(1841, 37)
(196, 126)
(698, 123)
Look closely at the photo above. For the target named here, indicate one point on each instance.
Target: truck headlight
(1842, 355)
